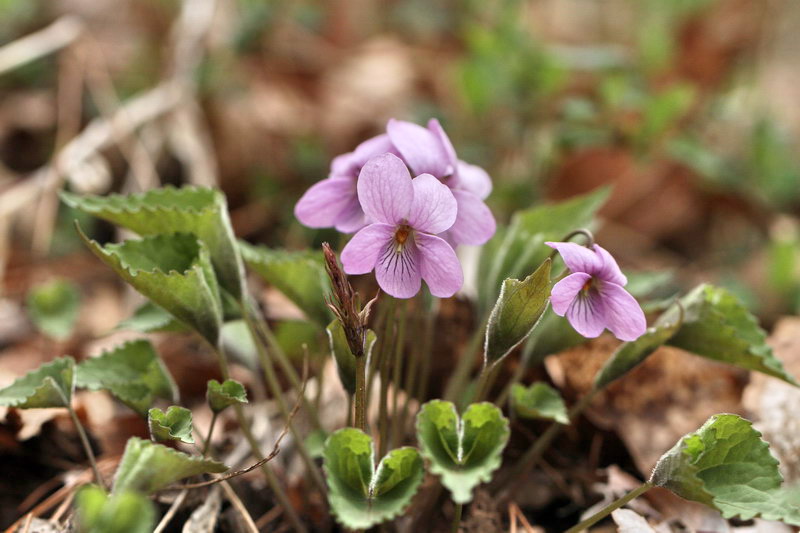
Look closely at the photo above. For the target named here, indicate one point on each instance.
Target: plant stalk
(397, 376)
(613, 506)
(460, 376)
(361, 393)
(87, 447)
(457, 518)
(207, 443)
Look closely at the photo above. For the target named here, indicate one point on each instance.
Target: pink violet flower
(334, 201)
(429, 151)
(401, 244)
(592, 297)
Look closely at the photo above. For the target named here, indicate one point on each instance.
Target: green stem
(210, 433)
(397, 375)
(592, 520)
(277, 394)
(425, 356)
(361, 393)
(383, 409)
(460, 376)
(457, 518)
(87, 447)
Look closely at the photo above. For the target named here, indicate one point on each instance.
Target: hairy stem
(87, 447)
(457, 518)
(210, 433)
(361, 393)
(592, 520)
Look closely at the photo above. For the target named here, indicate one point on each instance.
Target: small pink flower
(592, 297)
(401, 244)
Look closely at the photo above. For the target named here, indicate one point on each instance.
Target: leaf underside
(539, 401)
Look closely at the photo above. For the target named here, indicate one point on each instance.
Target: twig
(57, 35)
(171, 512)
(237, 503)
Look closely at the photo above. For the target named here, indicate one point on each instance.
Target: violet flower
(429, 151)
(334, 201)
(401, 244)
(592, 297)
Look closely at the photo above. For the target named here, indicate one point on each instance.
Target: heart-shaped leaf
(50, 385)
(133, 373)
(718, 326)
(200, 211)
(519, 249)
(345, 360)
(147, 467)
(516, 313)
(540, 401)
(174, 271)
(464, 452)
(223, 395)
(175, 424)
(361, 496)
(725, 464)
(126, 512)
(150, 318)
(299, 275)
(630, 354)
(53, 308)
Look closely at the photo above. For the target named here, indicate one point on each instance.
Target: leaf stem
(457, 518)
(460, 376)
(383, 407)
(210, 433)
(613, 506)
(87, 447)
(397, 375)
(361, 393)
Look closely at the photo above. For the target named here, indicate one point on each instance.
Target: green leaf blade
(222, 395)
(147, 467)
(127, 512)
(174, 424)
(50, 385)
(53, 308)
(345, 360)
(539, 401)
(516, 313)
(132, 372)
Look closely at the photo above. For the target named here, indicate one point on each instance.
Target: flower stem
(461, 374)
(385, 361)
(210, 433)
(457, 518)
(87, 447)
(397, 375)
(589, 522)
(361, 393)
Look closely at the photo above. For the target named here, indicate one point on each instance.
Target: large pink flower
(401, 244)
(593, 297)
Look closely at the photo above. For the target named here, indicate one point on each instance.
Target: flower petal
(623, 315)
(361, 254)
(352, 219)
(419, 147)
(385, 190)
(577, 258)
(609, 271)
(474, 223)
(398, 272)
(452, 160)
(350, 164)
(434, 208)
(474, 179)
(587, 314)
(566, 290)
(440, 267)
(322, 204)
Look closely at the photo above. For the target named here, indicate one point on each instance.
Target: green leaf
(223, 395)
(718, 326)
(345, 360)
(519, 248)
(147, 467)
(630, 354)
(150, 318)
(299, 275)
(133, 373)
(50, 385)
(53, 308)
(174, 272)
(200, 211)
(539, 400)
(126, 512)
(463, 452)
(175, 424)
(725, 464)
(361, 496)
(516, 313)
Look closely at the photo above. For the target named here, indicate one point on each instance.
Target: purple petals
(326, 201)
(398, 270)
(420, 148)
(474, 223)
(474, 179)
(361, 253)
(385, 190)
(440, 267)
(587, 314)
(578, 258)
(609, 270)
(623, 316)
(452, 160)
(434, 208)
(566, 290)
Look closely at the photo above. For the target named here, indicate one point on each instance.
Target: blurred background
(688, 108)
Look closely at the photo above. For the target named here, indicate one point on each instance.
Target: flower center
(587, 285)
(401, 236)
